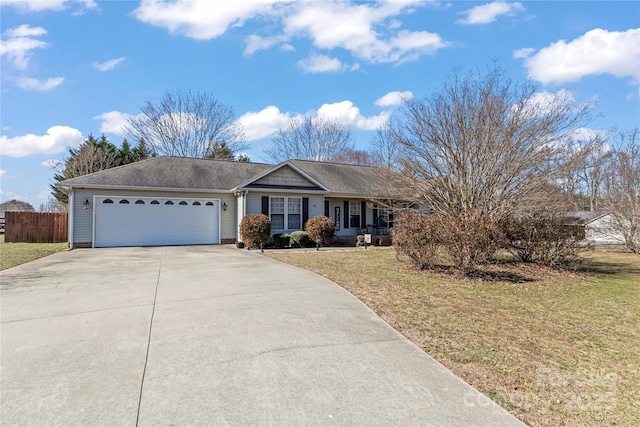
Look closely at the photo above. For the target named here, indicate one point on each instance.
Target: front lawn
(12, 254)
(553, 348)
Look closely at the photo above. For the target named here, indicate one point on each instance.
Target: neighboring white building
(597, 227)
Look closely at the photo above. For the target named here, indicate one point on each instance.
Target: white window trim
(286, 210)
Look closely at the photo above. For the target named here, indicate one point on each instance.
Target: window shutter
(265, 205)
(326, 209)
(375, 217)
(363, 214)
(305, 211)
(346, 214)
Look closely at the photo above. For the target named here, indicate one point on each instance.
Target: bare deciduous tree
(311, 138)
(593, 168)
(384, 148)
(52, 205)
(187, 124)
(485, 143)
(355, 157)
(583, 181)
(622, 189)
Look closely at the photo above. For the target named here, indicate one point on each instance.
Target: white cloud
(113, 122)
(587, 134)
(359, 28)
(394, 98)
(25, 30)
(200, 19)
(264, 123)
(596, 52)
(18, 43)
(286, 47)
(486, 13)
(44, 194)
(56, 140)
(320, 64)
(2, 172)
(42, 5)
(51, 163)
(349, 115)
(267, 122)
(523, 53)
(255, 43)
(107, 65)
(30, 83)
(369, 31)
(541, 103)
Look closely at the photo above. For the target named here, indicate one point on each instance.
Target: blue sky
(72, 68)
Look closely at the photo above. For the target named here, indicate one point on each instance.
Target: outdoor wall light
(86, 204)
(224, 206)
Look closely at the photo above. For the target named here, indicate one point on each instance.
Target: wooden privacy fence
(35, 227)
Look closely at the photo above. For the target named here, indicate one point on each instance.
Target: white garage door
(149, 221)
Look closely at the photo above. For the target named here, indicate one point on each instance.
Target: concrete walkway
(208, 335)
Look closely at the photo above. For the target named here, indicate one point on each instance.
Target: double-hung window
(285, 213)
(277, 213)
(354, 214)
(294, 213)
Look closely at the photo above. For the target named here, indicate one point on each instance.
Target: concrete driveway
(209, 335)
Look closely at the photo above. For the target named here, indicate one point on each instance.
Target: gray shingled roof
(582, 217)
(344, 179)
(201, 174)
(174, 172)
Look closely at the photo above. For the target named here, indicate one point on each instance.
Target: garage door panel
(153, 224)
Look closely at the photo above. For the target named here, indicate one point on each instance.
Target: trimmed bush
(321, 229)
(281, 240)
(255, 230)
(300, 239)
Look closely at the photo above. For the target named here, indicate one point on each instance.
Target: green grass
(12, 254)
(556, 348)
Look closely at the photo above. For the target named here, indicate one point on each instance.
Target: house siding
(602, 232)
(285, 177)
(83, 219)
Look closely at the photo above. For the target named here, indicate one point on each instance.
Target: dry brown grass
(553, 348)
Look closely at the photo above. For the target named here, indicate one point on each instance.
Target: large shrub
(321, 230)
(471, 238)
(467, 239)
(416, 236)
(255, 230)
(542, 237)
